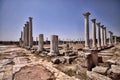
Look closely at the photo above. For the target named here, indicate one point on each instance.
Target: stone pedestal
(98, 40)
(40, 42)
(86, 16)
(94, 46)
(54, 46)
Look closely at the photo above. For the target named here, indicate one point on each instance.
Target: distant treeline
(46, 42)
(9, 42)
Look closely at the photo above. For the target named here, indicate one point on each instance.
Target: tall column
(115, 39)
(21, 38)
(102, 36)
(105, 37)
(54, 45)
(27, 33)
(98, 40)
(86, 16)
(40, 42)
(30, 33)
(110, 38)
(94, 34)
(24, 36)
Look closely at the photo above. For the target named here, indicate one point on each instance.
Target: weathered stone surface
(1, 75)
(96, 76)
(81, 53)
(91, 60)
(56, 61)
(5, 61)
(114, 72)
(100, 69)
(105, 54)
(110, 62)
(69, 59)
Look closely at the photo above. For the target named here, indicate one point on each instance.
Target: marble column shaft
(87, 43)
(105, 37)
(94, 33)
(30, 33)
(98, 40)
(54, 44)
(110, 38)
(27, 26)
(40, 42)
(24, 36)
(102, 36)
(115, 40)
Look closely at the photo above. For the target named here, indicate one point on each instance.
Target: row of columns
(101, 41)
(26, 39)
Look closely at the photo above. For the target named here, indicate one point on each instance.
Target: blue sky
(61, 17)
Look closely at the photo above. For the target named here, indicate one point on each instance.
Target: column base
(99, 48)
(94, 48)
(86, 48)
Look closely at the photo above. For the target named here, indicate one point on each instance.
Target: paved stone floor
(19, 64)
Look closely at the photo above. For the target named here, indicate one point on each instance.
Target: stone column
(94, 34)
(105, 37)
(110, 38)
(54, 45)
(115, 40)
(102, 36)
(21, 38)
(40, 42)
(20, 42)
(98, 40)
(86, 16)
(27, 33)
(30, 33)
(24, 36)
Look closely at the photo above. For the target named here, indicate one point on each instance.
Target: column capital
(102, 26)
(98, 24)
(30, 17)
(86, 14)
(25, 25)
(27, 22)
(110, 32)
(93, 20)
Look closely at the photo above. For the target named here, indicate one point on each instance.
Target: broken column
(94, 33)
(30, 33)
(110, 38)
(98, 40)
(40, 42)
(102, 36)
(105, 37)
(86, 16)
(54, 46)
